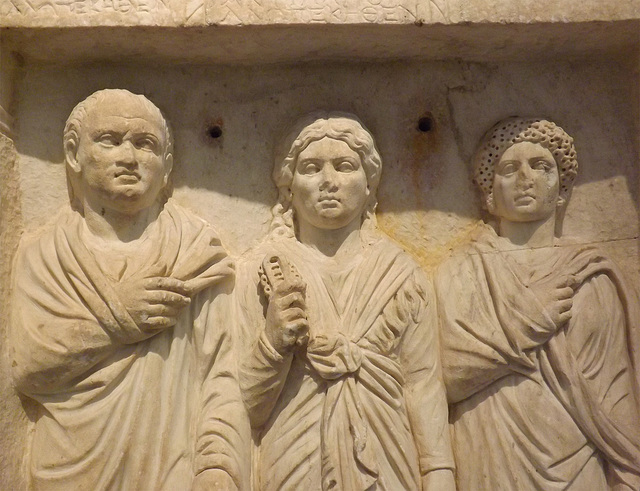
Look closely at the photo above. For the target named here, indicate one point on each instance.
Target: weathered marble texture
(342, 377)
(576, 63)
(113, 320)
(174, 13)
(540, 340)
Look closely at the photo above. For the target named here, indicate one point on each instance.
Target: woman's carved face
(329, 188)
(526, 184)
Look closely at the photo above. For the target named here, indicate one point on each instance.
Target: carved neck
(112, 225)
(336, 244)
(529, 234)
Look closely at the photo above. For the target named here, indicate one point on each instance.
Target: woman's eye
(345, 166)
(308, 168)
(108, 140)
(541, 165)
(507, 169)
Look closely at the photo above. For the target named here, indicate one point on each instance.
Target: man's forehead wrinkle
(151, 120)
(129, 118)
(123, 124)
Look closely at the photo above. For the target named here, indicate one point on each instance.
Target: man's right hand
(154, 303)
(287, 325)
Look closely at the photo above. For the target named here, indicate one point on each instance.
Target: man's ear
(168, 166)
(71, 153)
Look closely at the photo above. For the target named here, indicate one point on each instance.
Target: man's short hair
(76, 120)
(79, 113)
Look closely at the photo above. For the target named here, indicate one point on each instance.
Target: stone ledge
(174, 13)
(264, 44)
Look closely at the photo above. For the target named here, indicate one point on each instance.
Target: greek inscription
(84, 7)
(313, 11)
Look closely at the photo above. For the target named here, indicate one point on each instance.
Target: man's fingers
(162, 310)
(564, 317)
(564, 305)
(166, 283)
(160, 322)
(561, 281)
(167, 298)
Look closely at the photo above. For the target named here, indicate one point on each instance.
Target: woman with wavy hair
(341, 375)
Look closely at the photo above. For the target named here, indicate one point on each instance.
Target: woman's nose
(329, 175)
(525, 174)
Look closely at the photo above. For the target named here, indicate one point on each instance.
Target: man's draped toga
(364, 407)
(120, 410)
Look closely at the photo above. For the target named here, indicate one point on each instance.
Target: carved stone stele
(117, 322)
(540, 342)
(341, 375)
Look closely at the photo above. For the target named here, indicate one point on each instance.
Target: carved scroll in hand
(276, 272)
(285, 291)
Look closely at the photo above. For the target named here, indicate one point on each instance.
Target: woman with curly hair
(539, 345)
(341, 375)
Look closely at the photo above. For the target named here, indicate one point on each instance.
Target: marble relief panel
(302, 342)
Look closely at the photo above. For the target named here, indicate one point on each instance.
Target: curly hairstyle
(313, 127)
(76, 120)
(514, 130)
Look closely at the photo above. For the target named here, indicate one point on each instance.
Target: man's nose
(126, 153)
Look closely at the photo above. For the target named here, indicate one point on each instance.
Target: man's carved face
(329, 185)
(526, 184)
(121, 154)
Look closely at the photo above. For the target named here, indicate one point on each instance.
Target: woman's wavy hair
(313, 127)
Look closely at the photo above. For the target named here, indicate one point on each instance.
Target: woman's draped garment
(344, 414)
(534, 406)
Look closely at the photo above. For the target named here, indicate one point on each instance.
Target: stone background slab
(252, 67)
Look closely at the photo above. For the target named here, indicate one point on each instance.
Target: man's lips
(127, 173)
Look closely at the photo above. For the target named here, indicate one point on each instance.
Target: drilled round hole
(425, 124)
(214, 131)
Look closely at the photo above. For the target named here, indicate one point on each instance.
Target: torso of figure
(96, 421)
(302, 399)
(370, 310)
(297, 417)
(117, 259)
(535, 442)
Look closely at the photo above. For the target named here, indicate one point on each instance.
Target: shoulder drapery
(59, 281)
(500, 328)
(99, 378)
(618, 440)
